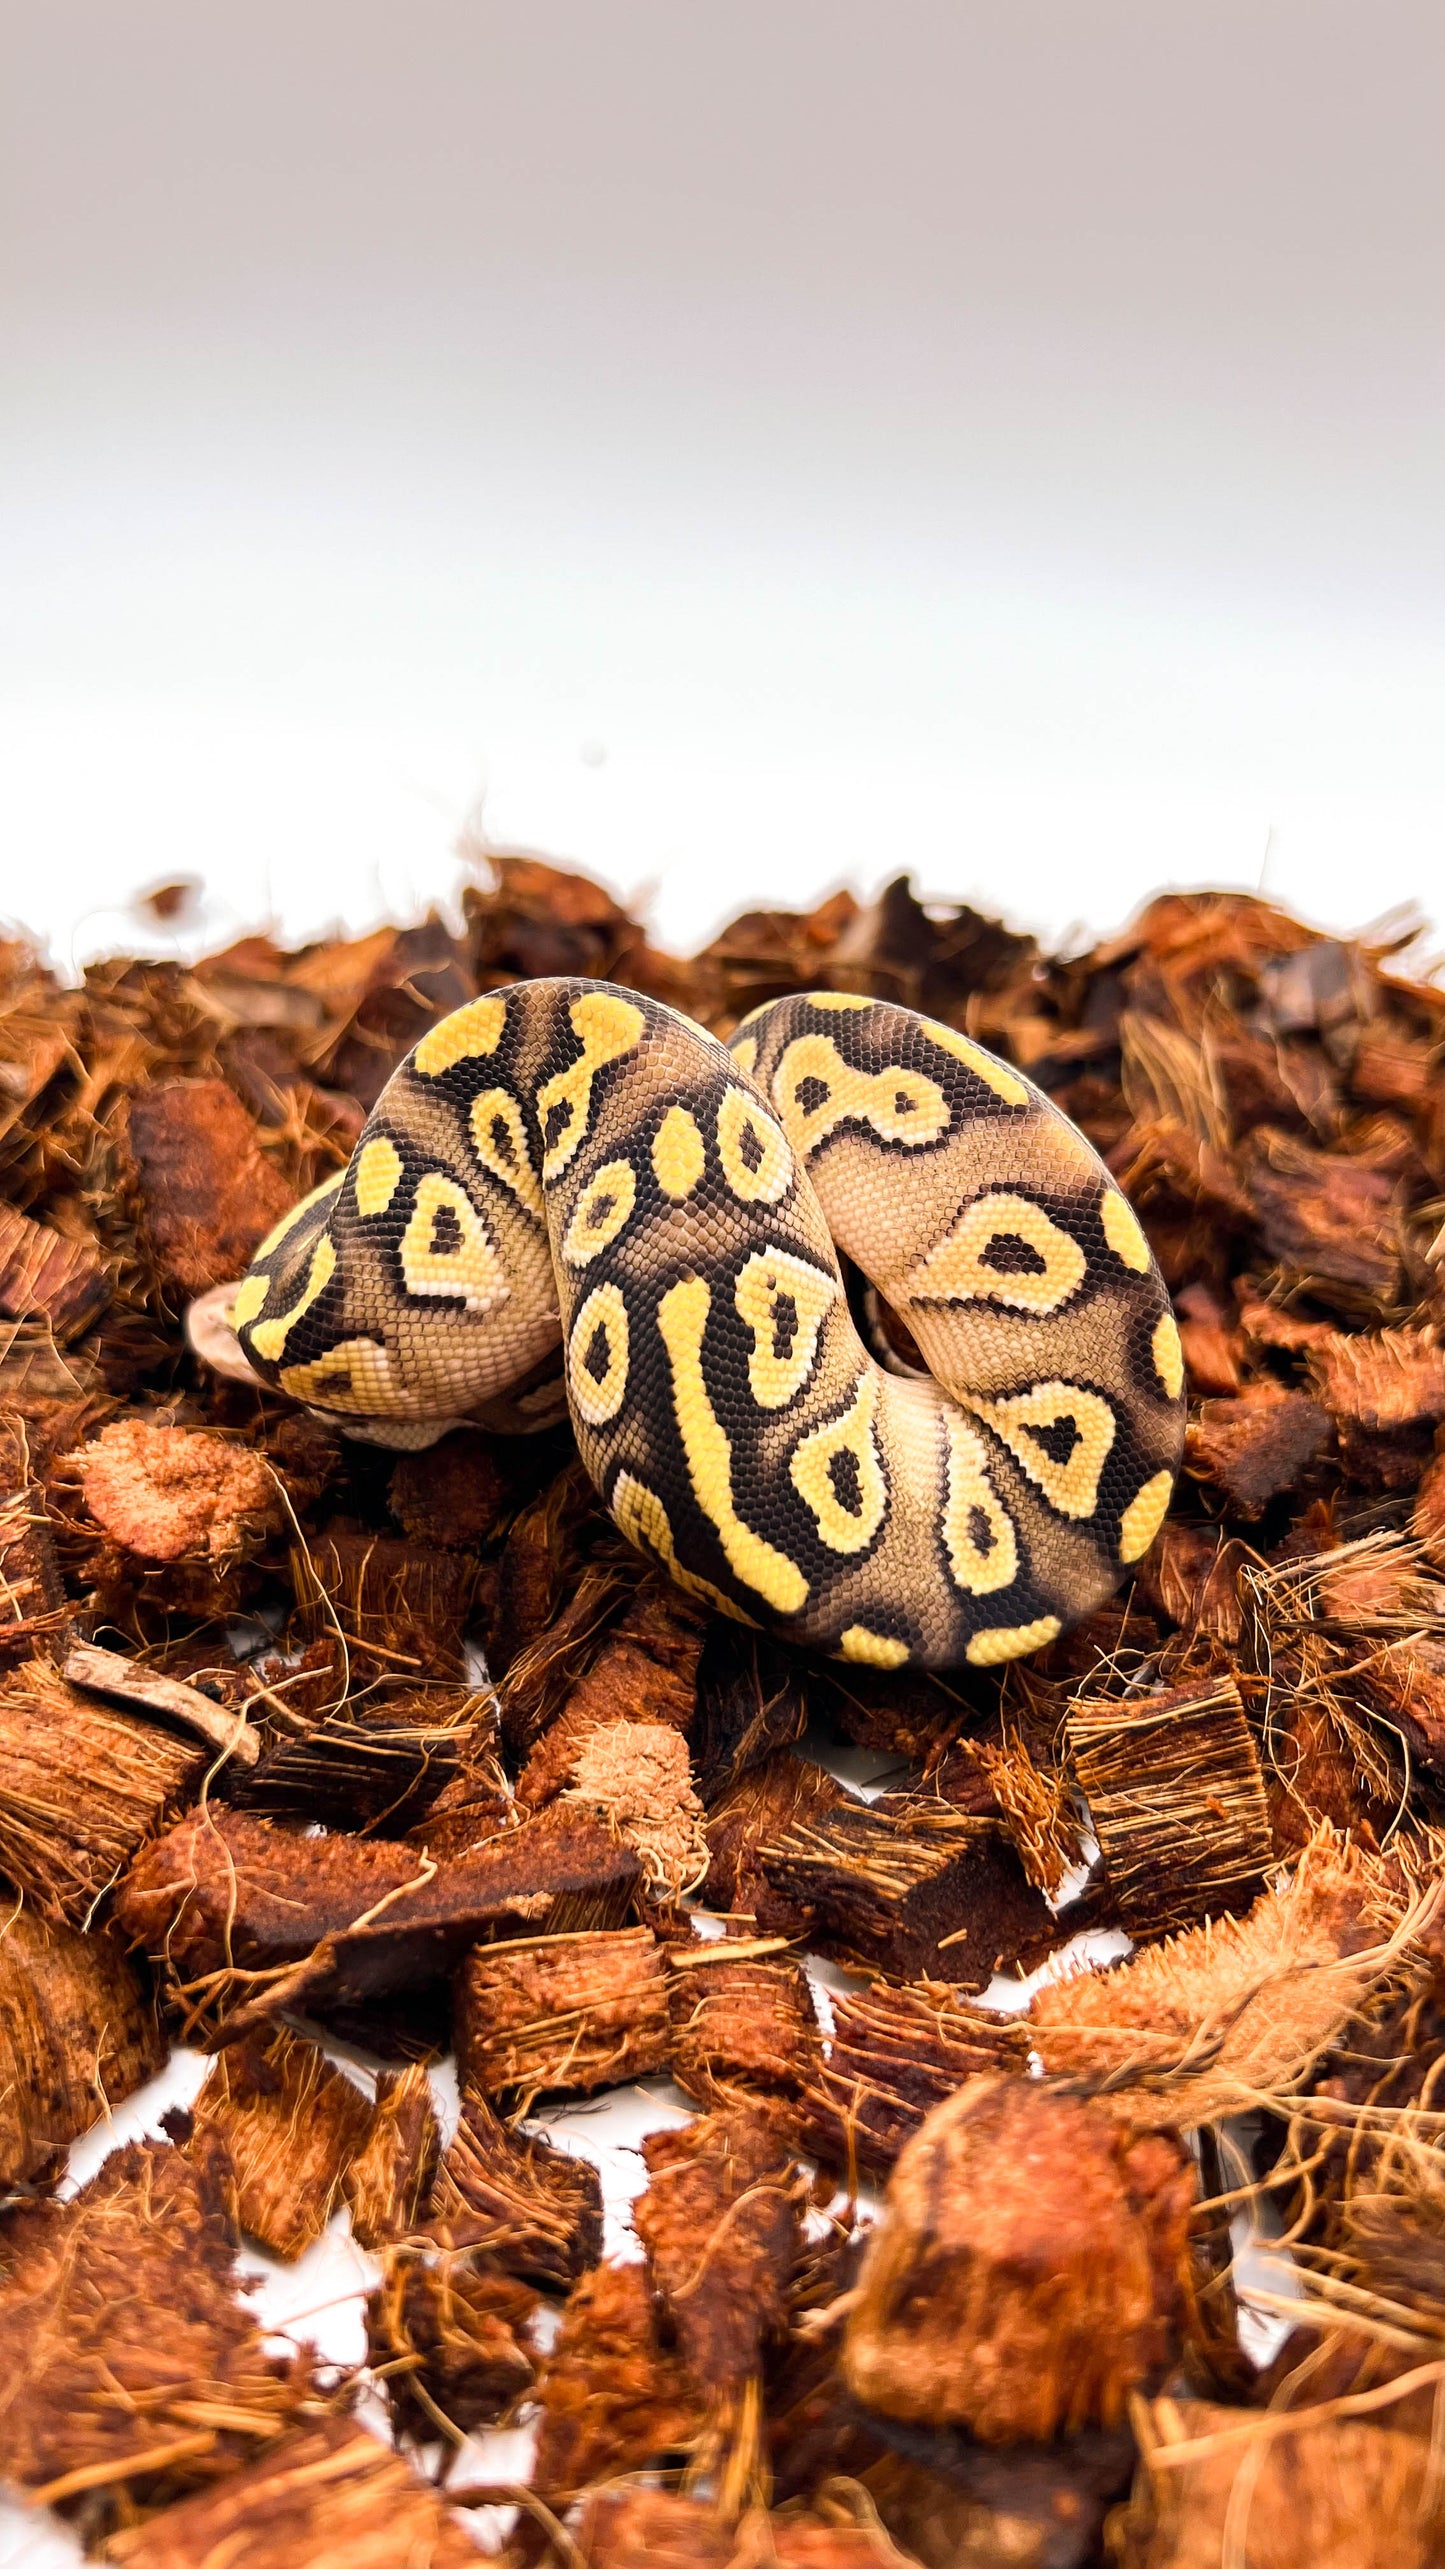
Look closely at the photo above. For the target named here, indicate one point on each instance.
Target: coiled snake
(567, 1165)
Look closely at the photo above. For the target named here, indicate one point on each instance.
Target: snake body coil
(567, 1164)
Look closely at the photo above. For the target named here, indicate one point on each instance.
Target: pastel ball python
(565, 1165)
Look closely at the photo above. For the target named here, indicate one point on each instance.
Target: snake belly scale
(565, 1165)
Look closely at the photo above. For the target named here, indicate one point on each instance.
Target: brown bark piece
(167, 1494)
(758, 1811)
(451, 2339)
(1330, 1220)
(130, 1683)
(637, 1777)
(291, 2126)
(207, 1194)
(1026, 2275)
(78, 2033)
(130, 2369)
(1235, 2007)
(327, 2494)
(611, 2398)
(530, 2205)
(1405, 1682)
(721, 2227)
(59, 1281)
(1191, 1574)
(646, 1671)
(1338, 2492)
(1176, 1794)
(1258, 1445)
(1386, 1395)
(34, 1612)
(389, 2180)
(919, 1890)
(1427, 1522)
(223, 1892)
(572, 2012)
(895, 2054)
(402, 1606)
(752, 1700)
(81, 1789)
(454, 1495)
(376, 1769)
(745, 2031)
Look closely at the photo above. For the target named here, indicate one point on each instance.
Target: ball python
(568, 1165)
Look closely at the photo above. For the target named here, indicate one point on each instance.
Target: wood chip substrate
(777, 2113)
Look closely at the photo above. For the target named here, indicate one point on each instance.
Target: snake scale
(563, 1164)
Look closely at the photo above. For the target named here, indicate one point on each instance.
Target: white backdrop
(743, 448)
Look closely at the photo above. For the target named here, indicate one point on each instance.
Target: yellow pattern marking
(756, 1161)
(1122, 1231)
(678, 1154)
(1168, 1354)
(499, 1138)
(994, 1074)
(837, 999)
(250, 1295)
(269, 1337)
(1061, 1435)
(644, 1520)
(355, 1375)
(598, 1356)
(378, 1174)
(1011, 1641)
(784, 1302)
(1143, 1516)
(744, 1050)
(836, 1471)
(600, 1212)
(445, 1250)
(468, 1032)
(281, 1230)
(871, 1649)
(1004, 1249)
(682, 1319)
(978, 1533)
(815, 1090)
(607, 1029)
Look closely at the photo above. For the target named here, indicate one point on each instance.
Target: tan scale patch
(682, 1319)
(281, 1231)
(1144, 1515)
(900, 1104)
(978, 1532)
(1168, 1354)
(499, 1138)
(269, 1337)
(745, 1053)
(679, 1155)
(445, 1250)
(472, 1031)
(871, 1649)
(603, 1208)
(607, 1028)
(1072, 1484)
(378, 1174)
(598, 1356)
(756, 1161)
(837, 1472)
(355, 1375)
(994, 1074)
(784, 1302)
(1122, 1231)
(960, 1269)
(1012, 1641)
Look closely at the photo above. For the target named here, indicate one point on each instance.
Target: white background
(739, 448)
